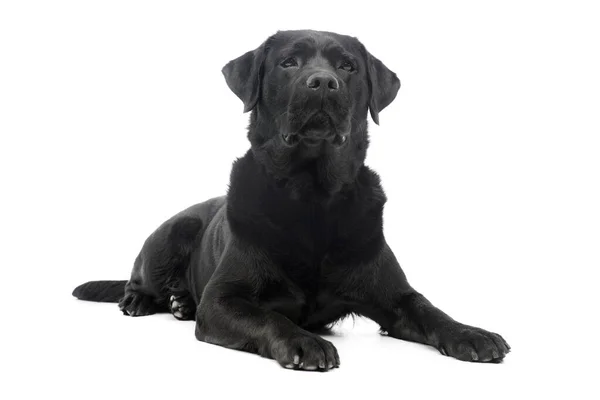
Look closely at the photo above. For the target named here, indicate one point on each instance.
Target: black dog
(297, 243)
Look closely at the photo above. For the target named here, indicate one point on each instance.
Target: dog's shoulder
(368, 183)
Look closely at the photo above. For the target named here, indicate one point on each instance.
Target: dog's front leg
(230, 315)
(384, 295)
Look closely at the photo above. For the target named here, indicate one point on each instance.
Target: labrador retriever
(297, 243)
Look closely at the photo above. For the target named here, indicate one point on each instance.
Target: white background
(114, 115)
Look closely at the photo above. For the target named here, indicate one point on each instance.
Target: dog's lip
(292, 139)
(322, 117)
(318, 134)
(312, 142)
(314, 135)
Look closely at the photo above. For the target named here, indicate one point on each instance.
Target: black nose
(321, 80)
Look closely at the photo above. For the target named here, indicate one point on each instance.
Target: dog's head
(310, 93)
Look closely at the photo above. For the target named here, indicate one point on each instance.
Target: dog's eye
(289, 62)
(347, 66)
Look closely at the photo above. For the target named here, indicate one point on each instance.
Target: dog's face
(310, 93)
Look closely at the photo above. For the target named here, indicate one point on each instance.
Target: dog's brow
(304, 44)
(334, 48)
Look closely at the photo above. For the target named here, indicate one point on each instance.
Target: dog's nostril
(313, 83)
(333, 84)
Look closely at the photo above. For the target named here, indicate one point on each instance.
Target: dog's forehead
(284, 41)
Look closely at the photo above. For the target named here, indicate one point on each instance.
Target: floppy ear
(384, 85)
(244, 75)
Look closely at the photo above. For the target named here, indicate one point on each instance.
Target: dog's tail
(104, 291)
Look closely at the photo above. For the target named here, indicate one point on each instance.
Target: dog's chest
(314, 261)
(307, 296)
(307, 309)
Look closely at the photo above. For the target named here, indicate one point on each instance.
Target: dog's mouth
(318, 129)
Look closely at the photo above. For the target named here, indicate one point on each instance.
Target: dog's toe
(474, 344)
(182, 307)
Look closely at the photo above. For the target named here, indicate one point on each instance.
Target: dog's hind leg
(159, 270)
(136, 303)
(142, 296)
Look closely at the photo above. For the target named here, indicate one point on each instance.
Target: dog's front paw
(306, 352)
(468, 343)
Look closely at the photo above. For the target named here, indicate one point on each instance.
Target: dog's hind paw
(182, 307)
(137, 304)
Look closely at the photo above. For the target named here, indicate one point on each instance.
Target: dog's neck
(273, 213)
(259, 173)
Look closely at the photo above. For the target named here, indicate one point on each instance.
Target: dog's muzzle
(317, 129)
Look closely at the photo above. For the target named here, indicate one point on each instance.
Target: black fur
(105, 291)
(298, 242)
